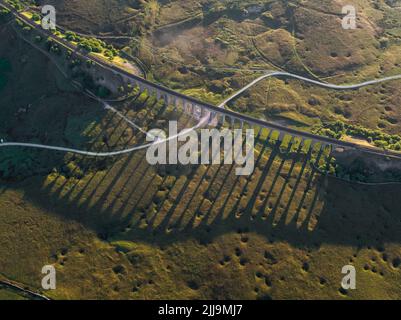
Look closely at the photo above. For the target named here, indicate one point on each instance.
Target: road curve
(276, 74)
(203, 120)
(104, 154)
(213, 108)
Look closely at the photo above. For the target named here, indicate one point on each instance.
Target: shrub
(35, 17)
(89, 63)
(380, 139)
(71, 36)
(4, 12)
(91, 45)
(19, 22)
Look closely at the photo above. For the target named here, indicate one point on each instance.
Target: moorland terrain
(120, 228)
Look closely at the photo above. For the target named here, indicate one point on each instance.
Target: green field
(6, 294)
(122, 229)
(4, 69)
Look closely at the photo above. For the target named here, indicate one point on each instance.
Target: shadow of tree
(284, 199)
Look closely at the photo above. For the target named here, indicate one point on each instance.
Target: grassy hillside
(123, 229)
(216, 46)
(6, 294)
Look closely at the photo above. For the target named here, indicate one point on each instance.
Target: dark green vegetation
(123, 229)
(210, 48)
(38, 117)
(18, 4)
(5, 68)
(7, 294)
(340, 129)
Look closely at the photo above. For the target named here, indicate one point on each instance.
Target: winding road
(204, 120)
